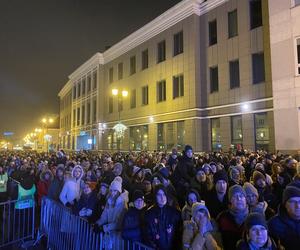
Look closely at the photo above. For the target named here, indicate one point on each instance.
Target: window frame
(178, 43)
(161, 85)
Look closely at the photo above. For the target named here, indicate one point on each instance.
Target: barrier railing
(67, 231)
(16, 224)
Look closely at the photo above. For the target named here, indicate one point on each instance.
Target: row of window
(85, 85)
(262, 132)
(87, 114)
(161, 56)
(258, 73)
(161, 93)
(232, 21)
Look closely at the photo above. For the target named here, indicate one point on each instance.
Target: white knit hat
(116, 184)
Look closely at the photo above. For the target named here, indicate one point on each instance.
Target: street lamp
(46, 121)
(119, 128)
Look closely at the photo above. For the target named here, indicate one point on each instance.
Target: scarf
(239, 216)
(267, 246)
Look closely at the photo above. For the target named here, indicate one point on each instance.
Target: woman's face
(258, 235)
(201, 177)
(192, 198)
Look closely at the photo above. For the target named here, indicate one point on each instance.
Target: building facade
(205, 73)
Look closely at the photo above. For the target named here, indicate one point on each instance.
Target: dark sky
(43, 41)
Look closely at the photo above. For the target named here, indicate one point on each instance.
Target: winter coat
(162, 227)
(214, 206)
(193, 240)
(132, 224)
(43, 186)
(186, 212)
(85, 201)
(285, 229)
(55, 189)
(231, 232)
(71, 189)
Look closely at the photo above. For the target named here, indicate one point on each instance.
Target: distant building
(214, 74)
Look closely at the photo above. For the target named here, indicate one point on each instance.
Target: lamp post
(119, 128)
(46, 121)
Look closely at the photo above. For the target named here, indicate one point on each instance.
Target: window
(138, 137)
(88, 113)
(74, 92)
(83, 115)
(111, 75)
(110, 104)
(262, 131)
(89, 83)
(132, 65)
(232, 24)
(236, 131)
(83, 86)
(214, 79)
(145, 95)
(145, 59)
(161, 51)
(216, 134)
(94, 79)
(74, 117)
(161, 91)
(78, 116)
(234, 73)
(170, 134)
(94, 111)
(298, 55)
(178, 43)
(78, 89)
(178, 86)
(160, 136)
(258, 68)
(180, 135)
(133, 99)
(120, 71)
(255, 14)
(212, 32)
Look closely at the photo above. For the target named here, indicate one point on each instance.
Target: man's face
(258, 235)
(293, 207)
(139, 203)
(192, 198)
(117, 170)
(200, 176)
(161, 198)
(87, 189)
(238, 202)
(261, 183)
(189, 153)
(221, 186)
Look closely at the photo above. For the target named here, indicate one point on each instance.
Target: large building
(214, 74)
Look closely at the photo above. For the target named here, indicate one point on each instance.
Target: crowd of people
(177, 200)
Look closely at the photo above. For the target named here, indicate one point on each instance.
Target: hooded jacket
(56, 186)
(43, 185)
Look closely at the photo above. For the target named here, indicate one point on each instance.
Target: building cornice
(66, 88)
(166, 20)
(93, 62)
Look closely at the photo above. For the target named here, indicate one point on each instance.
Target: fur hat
(289, 192)
(250, 189)
(198, 206)
(220, 175)
(116, 184)
(255, 219)
(234, 190)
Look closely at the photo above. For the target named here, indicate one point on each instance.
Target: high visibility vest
(3, 182)
(25, 197)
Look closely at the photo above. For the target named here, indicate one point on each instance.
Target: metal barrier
(16, 225)
(67, 231)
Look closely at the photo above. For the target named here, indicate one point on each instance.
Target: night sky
(44, 41)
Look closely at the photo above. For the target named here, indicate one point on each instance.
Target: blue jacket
(132, 224)
(285, 229)
(163, 227)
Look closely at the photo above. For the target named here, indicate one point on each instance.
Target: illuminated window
(170, 135)
(262, 131)
(138, 137)
(216, 134)
(178, 43)
(161, 51)
(236, 131)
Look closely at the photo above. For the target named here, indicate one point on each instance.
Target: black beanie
(255, 219)
(220, 175)
(187, 147)
(137, 194)
(289, 192)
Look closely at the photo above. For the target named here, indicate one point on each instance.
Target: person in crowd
(278, 186)
(216, 199)
(43, 184)
(112, 217)
(254, 204)
(173, 158)
(256, 235)
(192, 197)
(234, 176)
(71, 188)
(133, 219)
(3, 184)
(200, 182)
(285, 226)
(118, 171)
(163, 225)
(57, 184)
(232, 221)
(148, 194)
(200, 232)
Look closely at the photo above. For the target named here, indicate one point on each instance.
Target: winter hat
(258, 175)
(255, 219)
(187, 147)
(234, 190)
(116, 184)
(193, 191)
(220, 175)
(199, 206)
(105, 182)
(138, 194)
(260, 166)
(250, 189)
(135, 170)
(164, 172)
(289, 192)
